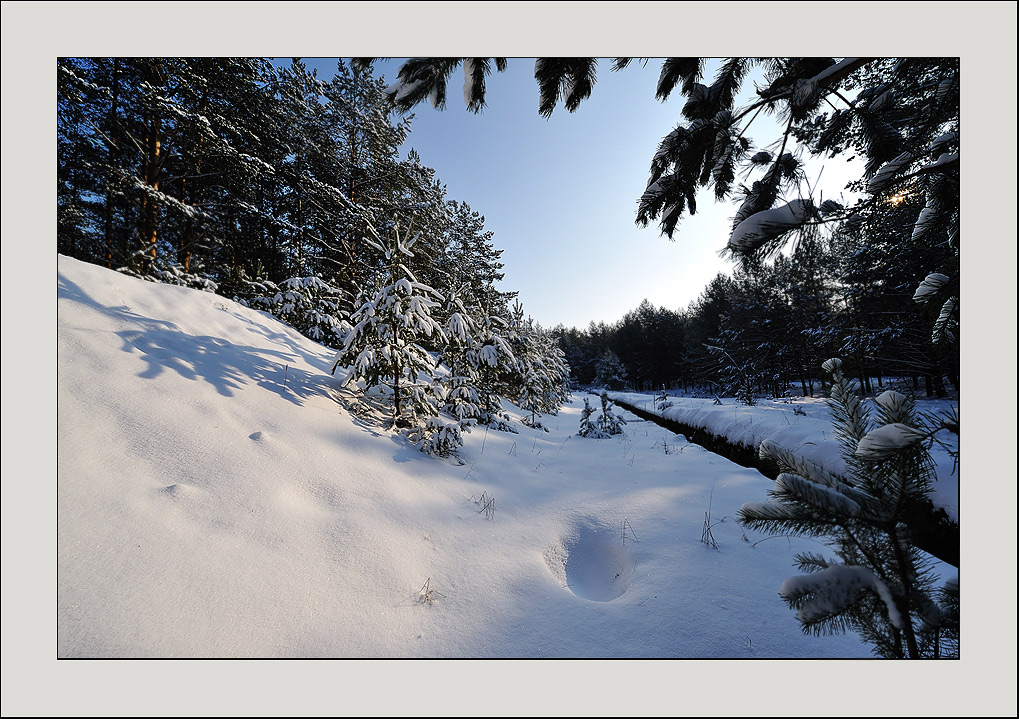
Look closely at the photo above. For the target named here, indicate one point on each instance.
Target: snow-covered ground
(801, 425)
(215, 499)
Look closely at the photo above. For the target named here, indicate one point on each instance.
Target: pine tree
(463, 399)
(609, 422)
(740, 375)
(167, 161)
(383, 348)
(492, 355)
(469, 260)
(539, 383)
(880, 584)
(903, 120)
(600, 426)
(310, 305)
(589, 427)
(609, 371)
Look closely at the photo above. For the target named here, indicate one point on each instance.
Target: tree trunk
(299, 269)
(112, 159)
(190, 193)
(398, 370)
(150, 216)
(153, 166)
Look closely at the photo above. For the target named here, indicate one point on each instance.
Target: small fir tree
(438, 435)
(880, 584)
(531, 383)
(610, 371)
(739, 376)
(589, 428)
(382, 348)
(494, 359)
(462, 398)
(308, 304)
(143, 266)
(609, 422)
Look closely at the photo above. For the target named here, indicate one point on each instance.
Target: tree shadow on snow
(321, 361)
(226, 366)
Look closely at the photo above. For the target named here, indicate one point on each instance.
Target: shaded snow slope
(215, 499)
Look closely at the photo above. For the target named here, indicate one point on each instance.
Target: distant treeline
(772, 324)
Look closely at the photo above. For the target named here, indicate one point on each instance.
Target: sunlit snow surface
(803, 426)
(215, 499)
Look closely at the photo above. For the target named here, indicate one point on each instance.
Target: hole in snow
(597, 565)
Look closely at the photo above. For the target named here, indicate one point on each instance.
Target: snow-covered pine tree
(557, 370)
(310, 305)
(539, 383)
(589, 428)
(494, 360)
(355, 174)
(462, 399)
(382, 348)
(474, 354)
(880, 585)
(610, 371)
(457, 390)
(609, 422)
(143, 266)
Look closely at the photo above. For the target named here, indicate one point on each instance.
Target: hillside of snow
(202, 503)
(216, 499)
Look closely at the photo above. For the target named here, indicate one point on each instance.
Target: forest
(269, 186)
(220, 173)
(238, 176)
(766, 329)
(291, 195)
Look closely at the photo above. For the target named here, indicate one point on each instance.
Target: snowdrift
(215, 499)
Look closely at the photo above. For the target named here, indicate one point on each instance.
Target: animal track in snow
(596, 564)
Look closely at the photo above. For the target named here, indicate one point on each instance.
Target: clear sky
(561, 194)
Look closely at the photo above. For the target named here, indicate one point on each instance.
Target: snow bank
(802, 427)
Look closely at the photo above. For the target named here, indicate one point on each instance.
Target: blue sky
(560, 194)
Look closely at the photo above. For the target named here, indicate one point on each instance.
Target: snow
(941, 140)
(930, 285)
(399, 90)
(802, 426)
(215, 499)
(945, 159)
(817, 495)
(884, 176)
(835, 588)
(892, 402)
(926, 221)
(752, 232)
(805, 89)
(884, 440)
